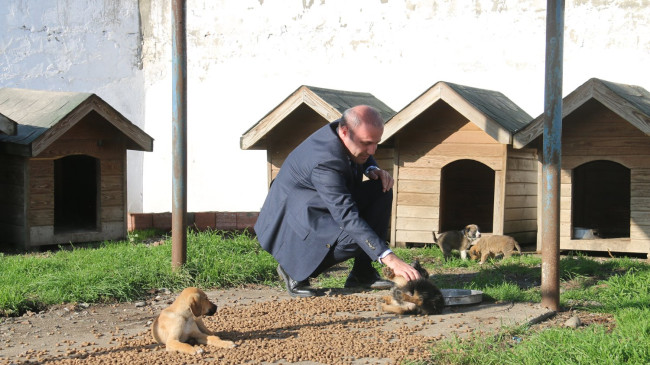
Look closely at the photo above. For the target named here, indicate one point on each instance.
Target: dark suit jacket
(310, 204)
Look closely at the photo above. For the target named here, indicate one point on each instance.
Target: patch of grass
(125, 271)
(627, 343)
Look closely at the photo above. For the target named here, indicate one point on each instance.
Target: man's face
(361, 141)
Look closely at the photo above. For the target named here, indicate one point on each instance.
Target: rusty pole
(179, 135)
(552, 153)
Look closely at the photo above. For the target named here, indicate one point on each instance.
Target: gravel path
(267, 325)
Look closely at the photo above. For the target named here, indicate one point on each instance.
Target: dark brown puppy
(181, 322)
(419, 296)
(457, 240)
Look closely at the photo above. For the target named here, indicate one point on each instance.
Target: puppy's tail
(517, 247)
(435, 239)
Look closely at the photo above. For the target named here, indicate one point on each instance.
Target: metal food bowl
(461, 296)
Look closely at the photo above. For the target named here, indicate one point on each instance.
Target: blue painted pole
(552, 152)
(179, 135)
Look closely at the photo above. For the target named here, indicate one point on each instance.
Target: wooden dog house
(605, 173)
(63, 173)
(299, 115)
(454, 165)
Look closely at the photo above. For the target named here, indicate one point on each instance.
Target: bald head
(362, 114)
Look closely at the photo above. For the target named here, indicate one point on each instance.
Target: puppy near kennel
(181, 323)
(419, 296)
(457, 240)
(491, 246)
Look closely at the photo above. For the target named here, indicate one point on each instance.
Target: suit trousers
(374, 207)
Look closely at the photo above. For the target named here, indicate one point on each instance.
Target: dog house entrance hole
(601, 198)
(76, 187)
(466, 195)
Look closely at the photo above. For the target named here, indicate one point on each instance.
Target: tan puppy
(457, 240)
(490, 246)
(181, 322)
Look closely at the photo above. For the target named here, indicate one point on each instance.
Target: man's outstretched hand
(400, 268)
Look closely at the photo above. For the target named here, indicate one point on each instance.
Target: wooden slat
(42, 185)
(62, 148)
(112, 214)
(640, 204)
(518, 176)
(521, 188)
(419, 186)
(500, 202)
(640, 216)
(629, 161)
(639, 190)
(520, 226)
(639, 232)
(417, 211)
(111, 183)
(513, 214)
(440, 161)
(521, 201)
(112, 198)
(640, 175)
(416, 224)
(522, 164)
(418, 199)
(417, 173)
(414, 236)
(41, 217)
(613, 244)
(112, 167)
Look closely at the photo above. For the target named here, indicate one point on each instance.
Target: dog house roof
(41, 117)
(630, 102)
(490, 110)
(7, 126)
(328, 103)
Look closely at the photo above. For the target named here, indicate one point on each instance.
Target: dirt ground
(267, 325)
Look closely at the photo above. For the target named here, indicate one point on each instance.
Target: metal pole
(552, 161)
(179, 135)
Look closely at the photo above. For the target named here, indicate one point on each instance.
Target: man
(319, 212)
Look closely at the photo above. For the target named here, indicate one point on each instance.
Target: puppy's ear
(195, 305)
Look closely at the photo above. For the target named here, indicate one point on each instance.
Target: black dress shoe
(370, 280)
(296, 288)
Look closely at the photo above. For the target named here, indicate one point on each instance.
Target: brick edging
(227, 221)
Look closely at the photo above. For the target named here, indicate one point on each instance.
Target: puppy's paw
(216, 341)
(198, 350)
(388, 272)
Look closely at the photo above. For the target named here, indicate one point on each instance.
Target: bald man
(319, 212)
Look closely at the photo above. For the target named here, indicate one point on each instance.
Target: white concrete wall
(78, 45)
(246, 56)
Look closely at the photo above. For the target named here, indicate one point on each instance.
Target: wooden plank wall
(287, 136)
(520, 207)
(431, 141)
(12, 201)
(592, 133)
(94, 137)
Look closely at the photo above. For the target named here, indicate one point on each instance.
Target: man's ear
(341, 131)
(195, 305)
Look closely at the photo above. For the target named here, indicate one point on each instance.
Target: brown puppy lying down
(491, 246)
(419, 296)
(181, 322)
(457, 240)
